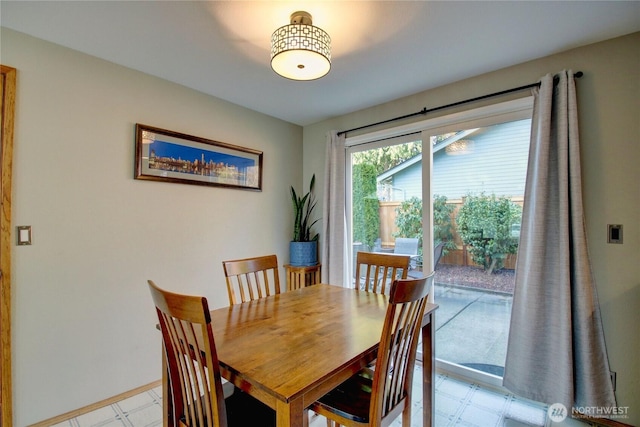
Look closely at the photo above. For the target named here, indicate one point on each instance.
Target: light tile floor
(457, 403)
(461, 403)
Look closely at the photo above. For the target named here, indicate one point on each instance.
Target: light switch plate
(24, 235)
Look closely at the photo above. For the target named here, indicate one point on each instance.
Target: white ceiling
(382, 50)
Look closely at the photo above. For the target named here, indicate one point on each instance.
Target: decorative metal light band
(301, 52)
(299, 36)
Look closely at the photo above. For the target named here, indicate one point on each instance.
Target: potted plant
(303, 249)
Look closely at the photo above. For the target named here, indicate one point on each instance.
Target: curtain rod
(455, 104)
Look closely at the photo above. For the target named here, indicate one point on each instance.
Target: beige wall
(609, 103)
(84, 325)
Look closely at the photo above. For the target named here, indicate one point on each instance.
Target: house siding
(497, 164)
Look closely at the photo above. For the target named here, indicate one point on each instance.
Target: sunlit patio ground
(472, 323)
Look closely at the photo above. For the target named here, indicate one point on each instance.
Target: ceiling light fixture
(300, 51)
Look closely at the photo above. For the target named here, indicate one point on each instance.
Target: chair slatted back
(251, 278)
(395, 364)
(375, 272)
(194, 373)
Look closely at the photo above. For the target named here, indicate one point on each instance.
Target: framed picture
(164, 155)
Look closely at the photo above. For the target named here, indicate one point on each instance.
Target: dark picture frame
(165, 155)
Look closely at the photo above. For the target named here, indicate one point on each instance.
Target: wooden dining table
(288, 350)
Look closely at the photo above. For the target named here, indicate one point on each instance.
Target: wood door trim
(7, 122)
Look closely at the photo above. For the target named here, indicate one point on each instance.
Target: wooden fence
(460, 256)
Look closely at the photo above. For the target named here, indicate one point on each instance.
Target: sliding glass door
(456, 184)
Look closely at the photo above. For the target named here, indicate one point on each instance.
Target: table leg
(292, 414)
(428, 371)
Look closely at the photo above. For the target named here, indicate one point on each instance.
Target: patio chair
(408, 246)
(437, 254)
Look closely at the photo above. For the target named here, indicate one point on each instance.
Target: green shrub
(409, 221)
(485, 224)
(366, 208)
(443, 224)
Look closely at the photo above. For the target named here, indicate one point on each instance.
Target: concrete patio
(472, 327)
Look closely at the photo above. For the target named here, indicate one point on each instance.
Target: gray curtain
(556, 351)
(334, 219)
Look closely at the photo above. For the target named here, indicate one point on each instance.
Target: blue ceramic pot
(303, 253)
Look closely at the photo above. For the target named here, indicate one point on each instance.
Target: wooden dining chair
(195, 385)
(251, 278)
(376, 271)
(377, 397)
